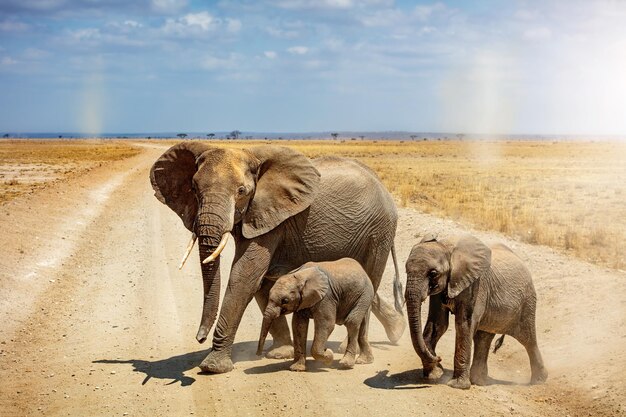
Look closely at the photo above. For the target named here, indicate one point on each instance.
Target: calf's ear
(313, 284)
(469, 260)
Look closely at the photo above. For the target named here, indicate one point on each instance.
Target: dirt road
(96, 319)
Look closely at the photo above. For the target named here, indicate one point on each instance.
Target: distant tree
(235, 134)
(182, 135)
(362, 137)
(210, 135)
(334, 135)
(248, 137)
(413, 137)
(6, 135)
(460, 136)
(60, 136)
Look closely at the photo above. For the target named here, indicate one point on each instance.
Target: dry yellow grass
(567, 195)
(29, 164)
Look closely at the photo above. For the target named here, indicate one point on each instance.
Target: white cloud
(425, 12)
(330, 4)
(190, 24)
(233, 25)
(298, 50)
(35, 54)
(537, 34)
(388, 17)
(198, 24)
(81, 35)
(203, 20)
(168, 6)
(214, 63)
(7, 61)
(13, 26)
(270, 54)
(132, 24)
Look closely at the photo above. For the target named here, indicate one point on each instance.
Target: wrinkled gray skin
(489, 290)
(283, 210)
(338, 292)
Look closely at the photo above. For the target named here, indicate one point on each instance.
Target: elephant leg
(539, 373)
(366, 355)
(436, 326)
(393, 321)
(347, 362)
(252, 260)
(324, 326)
(300, 325)
(465, 325)
(479, 371)
(526, 334)
(281, 347)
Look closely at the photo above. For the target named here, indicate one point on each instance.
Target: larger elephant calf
(489, 291)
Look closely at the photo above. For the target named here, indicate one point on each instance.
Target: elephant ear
(429, 237)
(313, 283)
(469, 260)
(171, 177)
(286, 185)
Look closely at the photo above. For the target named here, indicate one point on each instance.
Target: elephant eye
(432, 274)
(241, 190)
(284, 301)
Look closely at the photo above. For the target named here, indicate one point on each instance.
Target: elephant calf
(489, 290)
(338, 292)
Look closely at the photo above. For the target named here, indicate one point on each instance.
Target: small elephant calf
(488, 289)
(338, 292)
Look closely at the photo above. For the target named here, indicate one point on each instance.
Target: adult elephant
(283, 210)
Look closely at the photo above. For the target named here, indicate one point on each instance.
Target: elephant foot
(347, 362)
(539, 377)
(298, 366)
(217, 363)
(433, 374)
(479, 378)
(365, 358)
(460, 383)
(326, 358)
(395, 328)
(284, 351)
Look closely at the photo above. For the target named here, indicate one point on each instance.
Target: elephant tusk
(188, 251)
(218, 250)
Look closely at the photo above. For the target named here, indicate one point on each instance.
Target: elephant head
(446, 266)
(213, 190)
(298, 290)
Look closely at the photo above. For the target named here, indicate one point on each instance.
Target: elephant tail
(398, 294)
(498, 344)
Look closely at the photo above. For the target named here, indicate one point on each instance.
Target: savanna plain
(97, 319)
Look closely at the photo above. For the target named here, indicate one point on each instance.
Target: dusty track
(97, 320)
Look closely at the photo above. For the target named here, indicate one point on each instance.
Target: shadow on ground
(412, 379)
(172, 369)
(403, 380)
(175, 367)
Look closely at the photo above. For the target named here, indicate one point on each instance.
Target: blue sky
(539, 67)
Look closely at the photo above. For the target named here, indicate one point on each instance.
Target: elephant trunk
(211, 283)
(414, 301)
(210, 227)
(270, 314)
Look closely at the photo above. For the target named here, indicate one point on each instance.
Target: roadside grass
(569, 195)
(26, 165)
